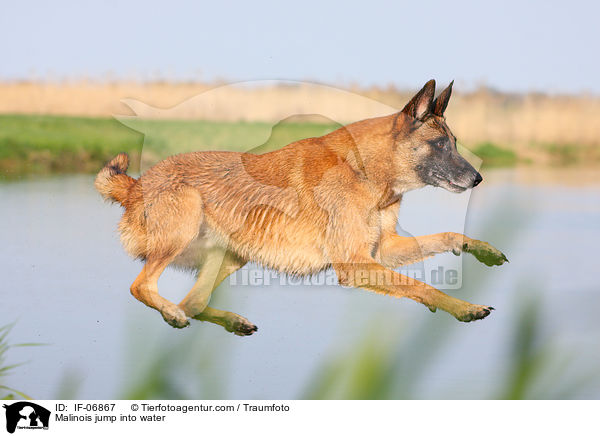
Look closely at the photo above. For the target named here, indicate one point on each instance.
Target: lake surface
(66, 284)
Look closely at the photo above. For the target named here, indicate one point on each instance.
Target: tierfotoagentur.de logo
(24, 415)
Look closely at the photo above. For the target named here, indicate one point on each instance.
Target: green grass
(48, 144)
(494, 155)
(32, 144)
(6, 392)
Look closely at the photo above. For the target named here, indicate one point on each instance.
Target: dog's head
(426, 148)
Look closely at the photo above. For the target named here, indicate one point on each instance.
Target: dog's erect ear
(441, 103)
(420, 105)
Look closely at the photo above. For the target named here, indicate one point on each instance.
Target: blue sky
(510, 45)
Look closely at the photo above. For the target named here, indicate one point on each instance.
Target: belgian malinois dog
(318, 203)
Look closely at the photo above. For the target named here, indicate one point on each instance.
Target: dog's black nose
(477, 180)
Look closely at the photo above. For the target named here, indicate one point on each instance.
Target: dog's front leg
(396, 250)
(374, 277)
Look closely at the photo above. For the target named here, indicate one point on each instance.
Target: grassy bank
(31, 144)
(49, 144)
(34, 144)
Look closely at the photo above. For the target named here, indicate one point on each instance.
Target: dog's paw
(240, 326)
(484, 252)
(245, 329)
(174, 316)
(474, 312)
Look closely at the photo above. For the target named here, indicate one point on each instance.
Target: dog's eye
(439, 143)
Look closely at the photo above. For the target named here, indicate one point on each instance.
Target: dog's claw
(476, 312)
(241, 327)
(245, 330)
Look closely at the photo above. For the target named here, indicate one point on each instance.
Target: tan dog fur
(318, 203)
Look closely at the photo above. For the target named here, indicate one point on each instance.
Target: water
(66, 283)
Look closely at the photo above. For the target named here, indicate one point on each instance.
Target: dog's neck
(367, 146)
(390, 196)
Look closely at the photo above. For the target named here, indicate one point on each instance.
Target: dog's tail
(112, 182)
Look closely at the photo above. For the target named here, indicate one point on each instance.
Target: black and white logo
(26, 415)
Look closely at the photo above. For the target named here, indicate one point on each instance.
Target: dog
(315, 204)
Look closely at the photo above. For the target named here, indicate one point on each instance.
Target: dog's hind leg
(145, 289)
(218, 264)
(396, 250)
(173, 221)
(232, 322)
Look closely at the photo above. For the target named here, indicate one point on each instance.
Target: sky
(511, 45)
